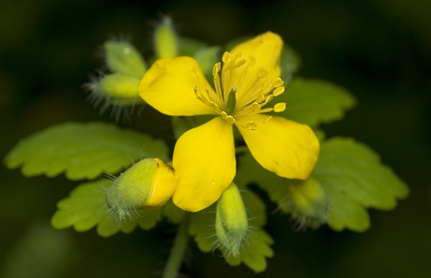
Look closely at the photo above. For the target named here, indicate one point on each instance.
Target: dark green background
(379, 50)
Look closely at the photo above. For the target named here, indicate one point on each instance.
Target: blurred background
(380, 50)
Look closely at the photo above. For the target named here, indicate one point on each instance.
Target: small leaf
(311, 101)
(83, 151)
(351, 176)
(123, 57)
(255, 249)
(351, 173)
(85, 208)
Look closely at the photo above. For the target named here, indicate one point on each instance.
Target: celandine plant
(246, 139)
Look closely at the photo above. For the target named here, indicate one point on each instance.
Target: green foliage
(311, 101)
(354, 179)
(122, 57)
(207, 57)
(82, 151)
(188, 46)
(86, 208)
(173, 214)
(290, 63)
(350, 175)
(256, 248)
(255, 251)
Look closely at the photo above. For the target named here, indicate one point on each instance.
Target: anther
(278, 91)
(278, 82)
(216, 69)
(280, 107)
(239, 63)
(226, 57)
(251, 125)
(255, 106)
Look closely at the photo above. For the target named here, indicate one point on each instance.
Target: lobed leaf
(256, 250)
(86, 208)
(313, 101)
(351, 176)
(82, 151)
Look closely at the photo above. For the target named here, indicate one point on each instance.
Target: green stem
(177, 252)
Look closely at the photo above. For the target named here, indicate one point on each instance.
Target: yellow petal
(281, 146)
(204, 162)
(169, 86)
(266, 49)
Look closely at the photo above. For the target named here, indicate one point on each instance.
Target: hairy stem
(177, 252)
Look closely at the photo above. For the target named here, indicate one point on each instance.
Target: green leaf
(174, 214)
(207, 57)
(312, 101)
(123, 57)
(188, 46)
(255, 251)
(82, 151)
(86, 207)
(351, 177)
(290, 63)
(257, 246)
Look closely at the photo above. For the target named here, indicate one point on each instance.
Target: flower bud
(122, 57)
(119, 89)
(231, 220)
(148, 184)
(165, 39)
(307, 201)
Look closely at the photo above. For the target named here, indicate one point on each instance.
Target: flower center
(241, 89)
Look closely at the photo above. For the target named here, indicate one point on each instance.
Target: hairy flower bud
(148, 184)
(307, 202)
(231, 220)
(122, 57)
(165, 39)
(120, 89)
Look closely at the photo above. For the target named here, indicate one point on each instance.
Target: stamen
(268, 99)
(280, 107)
(217, 84)
(255, 106)
(227, 118)
(278, 91)
(226, 56)
(278, 82)
(251, 125)
(239, 63)
(267, 120)
(207, 100)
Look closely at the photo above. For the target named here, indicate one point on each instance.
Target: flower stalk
(178, 249)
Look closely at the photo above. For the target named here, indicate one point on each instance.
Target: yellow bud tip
(148, 184)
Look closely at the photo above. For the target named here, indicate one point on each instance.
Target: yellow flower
(204, 157)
